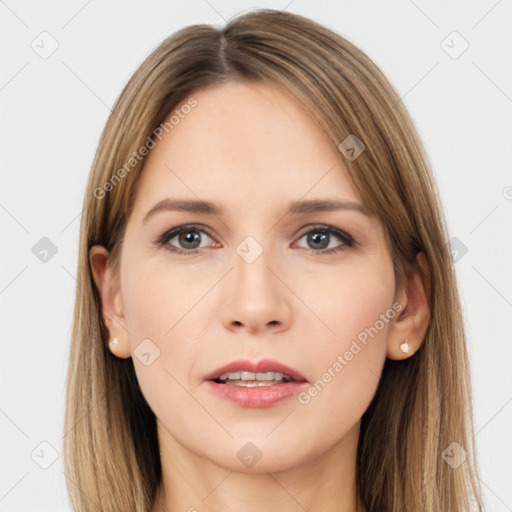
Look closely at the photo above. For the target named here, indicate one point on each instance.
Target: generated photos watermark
(343, 360)
(137, 156)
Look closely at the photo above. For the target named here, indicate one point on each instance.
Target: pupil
(189, 237)
(320, 238)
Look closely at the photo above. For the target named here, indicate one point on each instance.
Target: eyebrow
(209, 208)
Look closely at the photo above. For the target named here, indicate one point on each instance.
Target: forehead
(245, 142)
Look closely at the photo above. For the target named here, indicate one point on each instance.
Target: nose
(259, 299)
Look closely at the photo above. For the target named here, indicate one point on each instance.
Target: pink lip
(263, 366)
(256, 397)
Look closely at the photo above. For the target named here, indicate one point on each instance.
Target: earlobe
(408, 330)
(121, 350)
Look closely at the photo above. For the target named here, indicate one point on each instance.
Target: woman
(267, 316)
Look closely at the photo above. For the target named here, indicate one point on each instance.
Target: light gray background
(53, 110)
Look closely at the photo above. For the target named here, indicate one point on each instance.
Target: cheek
(155, 308)
(148, 311)
(358, 308)
(156, 302)
(348, 299)
(158, 308)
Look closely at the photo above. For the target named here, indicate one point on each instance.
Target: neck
(192, 483)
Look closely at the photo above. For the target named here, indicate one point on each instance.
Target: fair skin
(253, 150)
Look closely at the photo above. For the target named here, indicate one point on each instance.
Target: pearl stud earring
(113, 341)
(404, 347)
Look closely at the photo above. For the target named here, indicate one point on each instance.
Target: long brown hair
(422, 405)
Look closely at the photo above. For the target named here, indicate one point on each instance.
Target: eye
(320, 237)
(187, 237)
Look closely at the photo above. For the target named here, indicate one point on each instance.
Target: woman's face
(253, 275)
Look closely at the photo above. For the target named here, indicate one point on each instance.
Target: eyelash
(348, 241)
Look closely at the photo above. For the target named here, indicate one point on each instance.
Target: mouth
(267, 372)
(252, 379)
(255, 384)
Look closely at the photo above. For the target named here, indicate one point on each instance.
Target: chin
(262, 455)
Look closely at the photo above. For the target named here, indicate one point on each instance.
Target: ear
(112, 306)
(413, 320)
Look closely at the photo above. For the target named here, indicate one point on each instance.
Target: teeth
(265, 378)
(252, 384)
(230, 375)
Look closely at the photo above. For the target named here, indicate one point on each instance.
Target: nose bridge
(252, 260)
(257, 296)
(251, 249)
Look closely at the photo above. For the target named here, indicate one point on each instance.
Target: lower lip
(257, 397)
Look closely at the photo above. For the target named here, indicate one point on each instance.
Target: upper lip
(263, 366)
